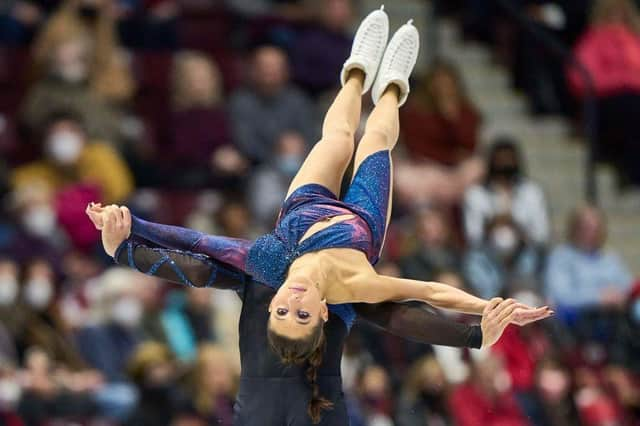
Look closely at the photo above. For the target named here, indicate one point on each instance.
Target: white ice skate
(398, 62)
(368, 47)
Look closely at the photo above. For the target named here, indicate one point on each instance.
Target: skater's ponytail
(309, 349)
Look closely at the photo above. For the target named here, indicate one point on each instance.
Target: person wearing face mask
(423, 398)
(31, 222)
(269, 182)
(108, 343)
(41, 325)
(507, 191)
(71, 158)
(502, 261)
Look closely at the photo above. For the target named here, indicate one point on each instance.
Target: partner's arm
(419, 323)
(416, 322)
(181, 267)
(231, 251)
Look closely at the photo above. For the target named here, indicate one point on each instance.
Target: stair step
(553, 158)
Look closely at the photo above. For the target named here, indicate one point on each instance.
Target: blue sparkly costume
(271, 392)
(268, 259)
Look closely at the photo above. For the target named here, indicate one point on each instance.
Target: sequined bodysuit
(268, 258)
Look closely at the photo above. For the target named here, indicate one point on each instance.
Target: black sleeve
(182, 267)
(416, 322)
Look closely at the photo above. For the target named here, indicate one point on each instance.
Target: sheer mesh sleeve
(182, 267)
(416, 322)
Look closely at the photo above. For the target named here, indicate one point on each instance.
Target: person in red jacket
(439, 132)
(610, 51)
(486, 398)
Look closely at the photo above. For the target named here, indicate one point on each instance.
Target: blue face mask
(289, 164)
(635, 311)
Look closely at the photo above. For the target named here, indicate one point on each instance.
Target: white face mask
(127, 312)
(75, 72)
(40, 221)
(504, 239)
(64, 147)
(8, 290)
(38, 293)
(10, 392)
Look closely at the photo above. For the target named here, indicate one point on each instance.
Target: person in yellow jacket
(69, 157)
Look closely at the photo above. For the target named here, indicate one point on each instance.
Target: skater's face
(296, 309)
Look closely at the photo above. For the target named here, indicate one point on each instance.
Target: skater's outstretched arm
(231, 251)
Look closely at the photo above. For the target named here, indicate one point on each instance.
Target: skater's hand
(116, 228)
(524, 314)
(95, 212)
(499, 313)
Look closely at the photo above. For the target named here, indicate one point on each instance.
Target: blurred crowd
(198, 113)
(599, 35)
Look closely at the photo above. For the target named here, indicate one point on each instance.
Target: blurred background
(517, 174)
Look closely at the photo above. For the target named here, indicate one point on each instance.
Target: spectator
(284, 9)
(200, 138)
(522, 349)
(627, 341)
(19, 20)
(269, 106)
(234, 219)
(187, 322)
(554, 385)
(34, 231)
(45, 396)
(213, 386)
(486, 398)
(9, 312)
(440, 130)
(503, 262)
(269, 183)
(507, 191)
(434, 251)
(41, 324)
(319, 51)
(108, 345)
(79, 288)
(581, 273)
(76, 65)
(596, 405)
(373, 403)
(149, 25)
(71, 157)
(616, 77)
(155, 372)
(423, 399)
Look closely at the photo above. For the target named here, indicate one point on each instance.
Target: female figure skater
(270, 392)
(322, 248)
